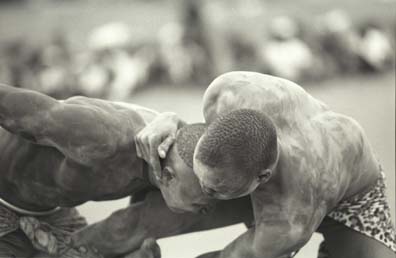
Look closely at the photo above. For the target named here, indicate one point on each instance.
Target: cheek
(211, 178)
(200, 170)
(169, 195)
(200, 174)
(237, 184)
(250, 188)
(177, 193)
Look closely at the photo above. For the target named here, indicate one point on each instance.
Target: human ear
(167, 174)
(264, 175)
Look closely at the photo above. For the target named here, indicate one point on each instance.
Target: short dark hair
(187, 139)
(245, 139)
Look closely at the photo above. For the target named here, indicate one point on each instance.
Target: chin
(234, 194)
(222, 196)
(178, 210)
(191, 209)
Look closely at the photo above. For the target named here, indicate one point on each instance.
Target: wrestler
(56, 155)
(305, 167)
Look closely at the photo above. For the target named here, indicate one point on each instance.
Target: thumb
(165, 145)
(152, 247)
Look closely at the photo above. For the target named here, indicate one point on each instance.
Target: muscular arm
(125, 229)
(284, 101)
(268, 246)
(269, 239)
(84, 133)
(282, 225)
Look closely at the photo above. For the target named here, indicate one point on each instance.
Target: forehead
(177, 163)
(224, 173)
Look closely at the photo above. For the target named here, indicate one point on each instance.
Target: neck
(274, 167)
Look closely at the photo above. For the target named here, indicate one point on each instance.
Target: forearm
(125, 230)
(117, 234)
(240, 247)
(260, 244)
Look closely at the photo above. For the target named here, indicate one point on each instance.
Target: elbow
(283, 243)
(219, 104)
(122, 225)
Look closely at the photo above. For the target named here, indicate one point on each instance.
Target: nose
(203, 208)
(209, 191)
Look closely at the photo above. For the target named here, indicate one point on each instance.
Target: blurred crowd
(114, 65)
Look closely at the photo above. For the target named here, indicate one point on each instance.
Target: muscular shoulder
(100, 129)
(273, 95)
(343, 131)
(133, 110)
(90, 102)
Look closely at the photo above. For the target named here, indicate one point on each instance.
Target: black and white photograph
(197, 128)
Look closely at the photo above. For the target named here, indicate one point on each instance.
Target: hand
(149, 249)
(154, 141)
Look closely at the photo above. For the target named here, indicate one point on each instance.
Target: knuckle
(138, 137)
(155, 137)
(145, 139)
(171, 137)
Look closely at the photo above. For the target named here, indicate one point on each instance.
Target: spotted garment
(48, 234)
(369, 214)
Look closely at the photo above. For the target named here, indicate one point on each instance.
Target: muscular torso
(325, 156)
(39, 177)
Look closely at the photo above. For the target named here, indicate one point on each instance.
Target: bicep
(240, 90)
(83, 133)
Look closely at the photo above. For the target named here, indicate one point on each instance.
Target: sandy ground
(370, 100)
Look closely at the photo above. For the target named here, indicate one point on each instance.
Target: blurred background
(162, 54)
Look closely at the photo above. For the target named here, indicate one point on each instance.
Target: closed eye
(167, 173)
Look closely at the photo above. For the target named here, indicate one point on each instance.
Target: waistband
(27, 212)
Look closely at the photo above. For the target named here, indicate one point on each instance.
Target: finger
(135, 254)
(145, 148)
(149, 243)
(152, 247)
(137, 145)
(154, 158)
(141, 143)
(165, 145)
(155, 163)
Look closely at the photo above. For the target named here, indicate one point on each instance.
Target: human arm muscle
(283, 100)
(272, 239)
(84, 133)
(125, 229)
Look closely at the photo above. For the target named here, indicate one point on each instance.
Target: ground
(369, 99)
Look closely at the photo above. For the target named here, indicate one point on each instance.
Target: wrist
(172, 116)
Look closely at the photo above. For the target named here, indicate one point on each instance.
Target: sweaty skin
(64, 153)
(324, 158)
(125, 229)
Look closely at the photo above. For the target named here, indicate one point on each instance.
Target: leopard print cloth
(369, 214)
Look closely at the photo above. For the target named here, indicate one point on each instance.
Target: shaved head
(186, 140)
(244, 138)
(179, 185)
(235, 152)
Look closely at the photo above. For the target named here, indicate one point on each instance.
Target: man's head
(237, 153)
(180, 186)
